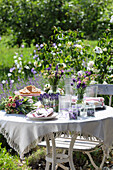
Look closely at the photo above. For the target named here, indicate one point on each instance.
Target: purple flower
(12, 69)
(22, 45)
(48, 68)
(0, 38)
(37, 45)
(86, 72)
(83, 85)
(78, 86)
(33, 71)
(89, 73)
(34, 51)
(62, 72)
(21, 55)
(56, 74)
(71, 84)
(41, 45)
(50, 65)
(57, 67)
(74, 80)
(54, 44)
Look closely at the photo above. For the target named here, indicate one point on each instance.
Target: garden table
(23, 134)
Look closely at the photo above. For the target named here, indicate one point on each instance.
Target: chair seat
(80, 144)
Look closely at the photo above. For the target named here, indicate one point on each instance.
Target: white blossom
(27, 67)
(105, 82)
(80, 72)
(9, 74)
(18, 66)
(111, 20)
(105, 49)
(59, 44)
(98, 50)
(20, 63)
(35, 63)
(15, 57)
(93, 82)
(19, 58)
(12, 81)
(77, 46)
(90, 64)
(15, 61)
(3, 81)
(19, 71)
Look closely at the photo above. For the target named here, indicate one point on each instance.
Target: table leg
(70, 151)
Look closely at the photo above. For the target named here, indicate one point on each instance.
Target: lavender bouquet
(54, 75)
(80, 82)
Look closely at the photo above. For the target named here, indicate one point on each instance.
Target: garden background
(35, 32)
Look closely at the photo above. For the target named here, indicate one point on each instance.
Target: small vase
(80, 97)
(54, 88)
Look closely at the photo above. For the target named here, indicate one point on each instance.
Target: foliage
(8, 161)
(37, 159)
(103, 60)
(33, 21)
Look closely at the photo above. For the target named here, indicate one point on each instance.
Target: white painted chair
(75, 143)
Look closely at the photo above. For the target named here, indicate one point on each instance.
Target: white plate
(30, 116)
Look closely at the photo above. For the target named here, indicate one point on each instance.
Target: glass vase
(55, 101)
(54, 88)
(80, 97)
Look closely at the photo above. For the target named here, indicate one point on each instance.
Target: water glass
(68, 87)
(90, 110)
(64, 105)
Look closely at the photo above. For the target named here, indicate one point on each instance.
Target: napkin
(42, 112)
(97, 101)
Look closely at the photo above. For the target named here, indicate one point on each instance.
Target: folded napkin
(42, 112)
(97, 101)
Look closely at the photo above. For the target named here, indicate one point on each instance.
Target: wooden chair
(77, 143)
(65, 143)
(105, 89)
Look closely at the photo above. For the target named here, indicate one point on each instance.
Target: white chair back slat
(105, 89)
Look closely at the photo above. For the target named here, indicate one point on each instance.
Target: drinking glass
(64, 105)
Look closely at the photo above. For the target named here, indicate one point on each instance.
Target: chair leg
(92, 161)
(53, 153)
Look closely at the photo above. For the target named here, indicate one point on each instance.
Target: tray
(31, 94)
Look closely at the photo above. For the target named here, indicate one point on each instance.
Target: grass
(7, 53)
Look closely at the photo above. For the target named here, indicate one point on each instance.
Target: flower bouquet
(80, 82)
(50, 100)
(17, 105)
(54, 75)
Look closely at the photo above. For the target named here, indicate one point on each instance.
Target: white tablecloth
(24, 134)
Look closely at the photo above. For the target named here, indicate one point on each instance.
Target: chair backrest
(105, 89)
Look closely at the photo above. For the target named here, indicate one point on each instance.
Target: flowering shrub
(104, 55)
(17, 104)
